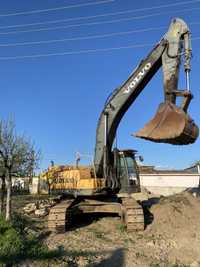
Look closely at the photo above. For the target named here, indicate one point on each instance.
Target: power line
(56, 8)
(98, 16)
(88, 37)
(99, 23)
(82, 38)
(194, 23)
(82, 51)
(75, 52)
(196, 38)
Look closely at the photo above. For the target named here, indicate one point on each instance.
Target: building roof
(153, 170)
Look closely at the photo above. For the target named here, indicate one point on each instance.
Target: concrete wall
(19, 183)
(168, 184)
(34, 187)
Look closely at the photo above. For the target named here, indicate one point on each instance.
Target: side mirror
(141, 158)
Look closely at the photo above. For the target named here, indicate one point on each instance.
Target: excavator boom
(171, 124)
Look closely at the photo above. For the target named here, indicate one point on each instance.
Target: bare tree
(18, 156)
(3, 186)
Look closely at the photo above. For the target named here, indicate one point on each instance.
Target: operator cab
(128, 171)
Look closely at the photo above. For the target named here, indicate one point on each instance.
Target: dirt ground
(171, 238)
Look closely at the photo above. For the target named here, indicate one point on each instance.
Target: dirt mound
(180, 211)
(175, 227)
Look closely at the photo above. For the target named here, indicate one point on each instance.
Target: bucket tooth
(170, 125)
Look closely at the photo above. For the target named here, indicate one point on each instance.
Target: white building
(168, 182)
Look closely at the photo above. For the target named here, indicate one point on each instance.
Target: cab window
(131, 166)
(121, 167)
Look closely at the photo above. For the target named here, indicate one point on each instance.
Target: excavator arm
(167, 53)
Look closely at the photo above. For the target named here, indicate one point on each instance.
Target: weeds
(121, 227)
(100, 235)
(17, 245)
(129, 241)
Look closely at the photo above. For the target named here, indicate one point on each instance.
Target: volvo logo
(139, 76)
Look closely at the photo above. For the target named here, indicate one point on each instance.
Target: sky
(56, 98)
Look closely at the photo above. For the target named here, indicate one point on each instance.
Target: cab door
(128, 174)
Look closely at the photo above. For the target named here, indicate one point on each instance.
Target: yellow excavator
(110, 183)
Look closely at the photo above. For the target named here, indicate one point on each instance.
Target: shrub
(11, 242)
(16, 244)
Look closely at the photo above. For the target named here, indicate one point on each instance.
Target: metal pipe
(188, 54)
(187, 80)
(105, 158)
(105, 128)
(198, 170)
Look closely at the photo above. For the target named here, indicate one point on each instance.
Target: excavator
(109, 185)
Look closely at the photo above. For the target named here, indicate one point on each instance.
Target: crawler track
(133, 215)
(60, 216)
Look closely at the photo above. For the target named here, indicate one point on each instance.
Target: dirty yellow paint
(65, 178)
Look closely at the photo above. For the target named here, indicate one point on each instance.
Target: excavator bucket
(170, 125)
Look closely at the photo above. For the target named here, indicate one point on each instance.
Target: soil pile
(175, 228)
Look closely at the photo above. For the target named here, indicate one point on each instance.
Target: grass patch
(100, 235)
(121, 227)
(18, 244)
